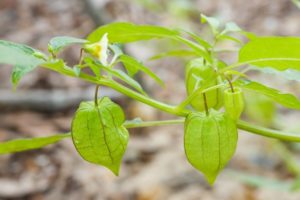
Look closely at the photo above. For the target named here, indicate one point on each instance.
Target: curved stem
(230, 83)
(133, 124)
(205, 104)
(124, 90)
(243, 125)
(292, 137)
(96, 95)
(173, 109)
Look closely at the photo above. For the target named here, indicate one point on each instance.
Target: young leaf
(280, 53)
(212, 22)
(198, 39)
(60, 42)
(122, 32)
(98, 133)
(231, 27)
(22, 57)
(209, 142)
(127, 79)
(133, 66)
(285, 99)
(18, 145)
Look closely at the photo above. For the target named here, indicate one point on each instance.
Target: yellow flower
(99, 49)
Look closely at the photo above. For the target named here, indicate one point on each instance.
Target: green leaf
(124, 77)
(209, 142)
(117, 49)
(212, 22)
(133, 66)
(227, 37)
(123, 32)
(22, 57)
(288, 74)
(58, 43)
(198, 39)
(98, 133)
(77, 70)
(285, 99)
(280, 53)
(231, 27)
(176, 53)
(25, 144)
(94, 66)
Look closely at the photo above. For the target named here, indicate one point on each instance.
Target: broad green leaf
(133, 66)
(209, 142)
(176, 53)
(58, 43)
(25, 144)
(22, 57)
(123, 32)
(285, 99)
(280, 53)
(98, 133)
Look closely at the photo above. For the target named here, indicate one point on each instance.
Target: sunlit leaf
(280, 53)
(285, 99)
(25, 144)
(123, 32)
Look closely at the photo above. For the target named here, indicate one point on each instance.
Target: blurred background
(154, 166)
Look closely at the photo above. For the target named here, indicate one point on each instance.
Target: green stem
(133, 124)
(243, 125)
(144, 99)
(126, 91)
(173, 109)
(96, 95)
(268, 132)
